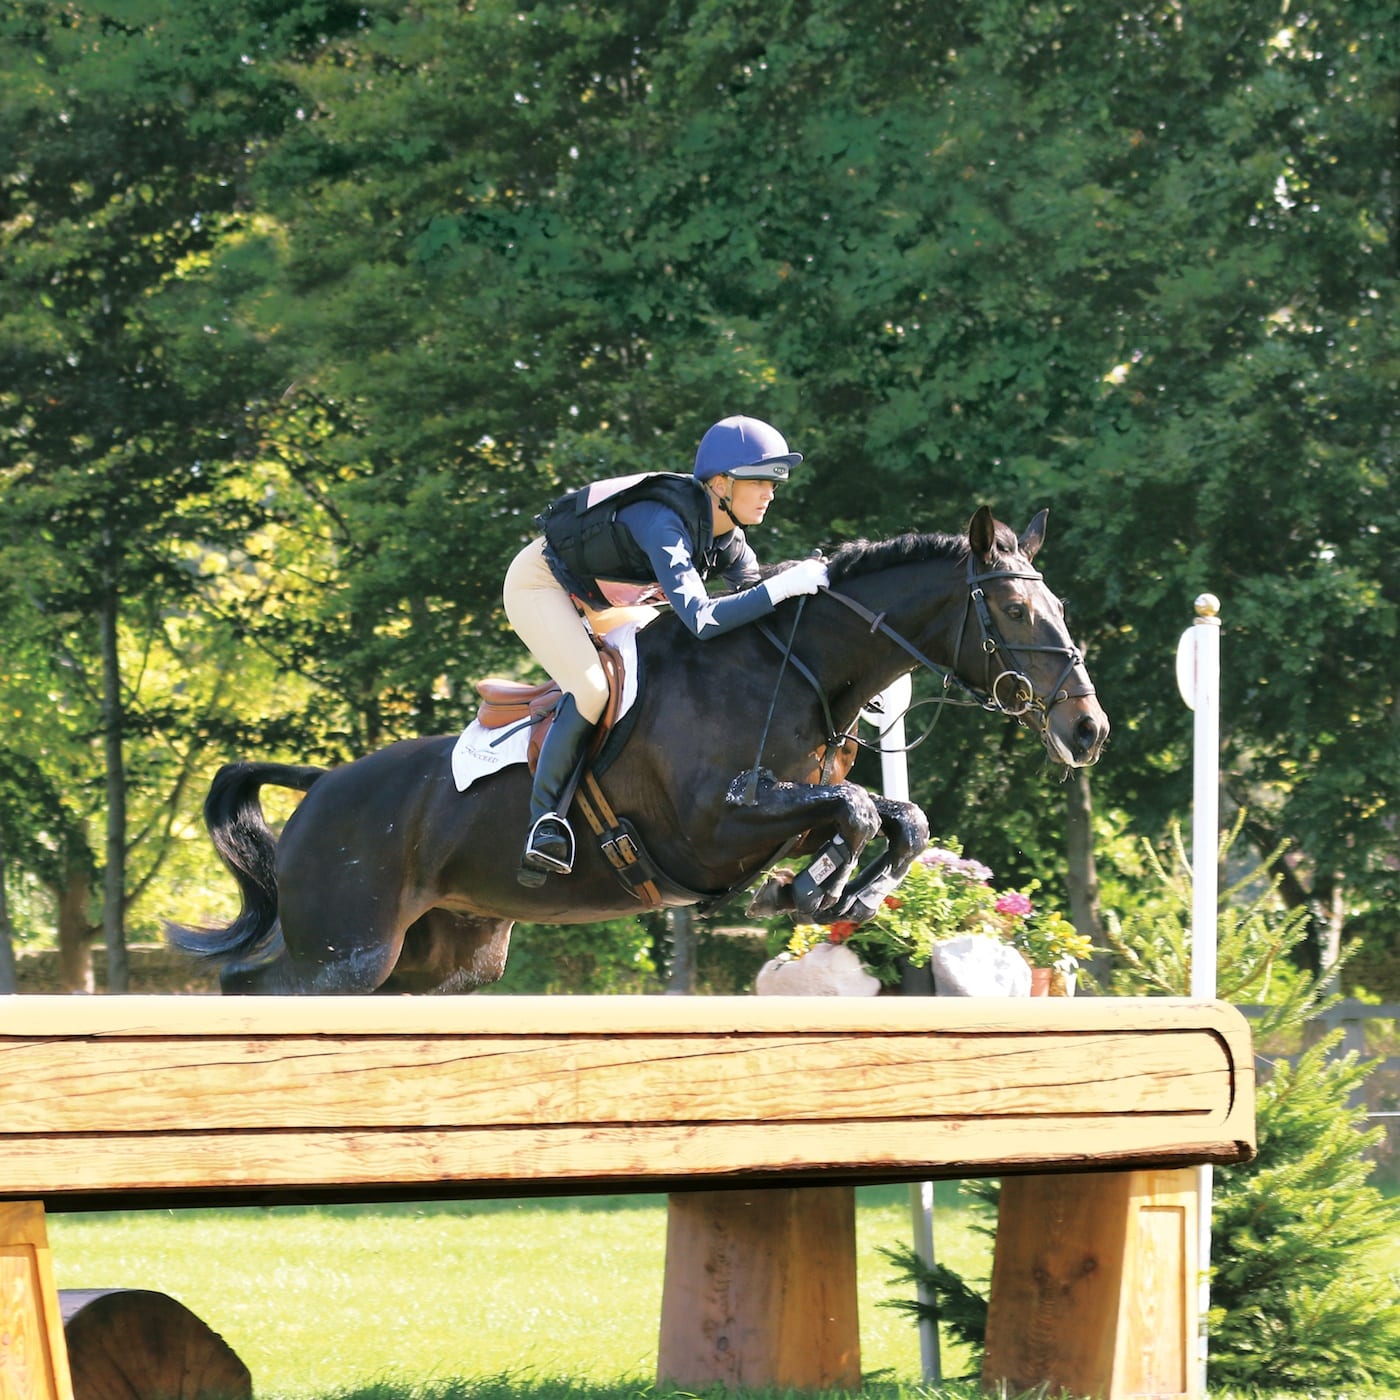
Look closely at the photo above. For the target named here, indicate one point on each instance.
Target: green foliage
(953, 1304)
(1045, 938)
(726, 963)
(331, 298)
(1295, 1302)
(623, 957)
(604, 958)
(1254, 934)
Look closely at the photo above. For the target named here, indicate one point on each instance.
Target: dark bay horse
(387, 878)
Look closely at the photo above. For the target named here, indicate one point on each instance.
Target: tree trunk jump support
(1094, 1285)
(760, 1290)
(133, 1344)
(103, 1343)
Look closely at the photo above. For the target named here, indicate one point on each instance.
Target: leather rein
(1023, 699)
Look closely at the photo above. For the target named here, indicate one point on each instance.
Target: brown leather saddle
(505, 703)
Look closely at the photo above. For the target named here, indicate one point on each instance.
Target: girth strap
(638, 873)
(618, 843)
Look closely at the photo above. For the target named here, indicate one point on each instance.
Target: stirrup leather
(539, 860)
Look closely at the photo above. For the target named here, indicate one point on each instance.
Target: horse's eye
(1015, 611)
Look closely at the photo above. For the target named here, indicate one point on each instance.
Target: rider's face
(750, 500)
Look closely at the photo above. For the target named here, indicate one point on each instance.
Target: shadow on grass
(526, 1386)
(523, 1386)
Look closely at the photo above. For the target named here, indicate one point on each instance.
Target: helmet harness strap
(723, 502)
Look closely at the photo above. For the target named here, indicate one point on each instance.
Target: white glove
(806, 576)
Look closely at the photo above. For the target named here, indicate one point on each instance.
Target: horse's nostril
(1089, 733)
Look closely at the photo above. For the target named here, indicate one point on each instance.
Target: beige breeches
(547, 620)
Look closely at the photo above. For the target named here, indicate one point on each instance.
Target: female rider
(667, 532)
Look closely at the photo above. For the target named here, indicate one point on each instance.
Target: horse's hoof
(774, 896)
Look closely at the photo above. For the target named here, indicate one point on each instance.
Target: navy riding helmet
(747, 449)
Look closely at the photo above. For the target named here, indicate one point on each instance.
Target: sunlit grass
(318, 1301)
(486, 1300)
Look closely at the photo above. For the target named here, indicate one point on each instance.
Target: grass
(487, 1300)
(346, 1299)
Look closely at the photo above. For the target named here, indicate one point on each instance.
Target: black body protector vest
(590, 544)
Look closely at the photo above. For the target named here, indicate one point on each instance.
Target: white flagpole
(894, 779)
(1198, 677)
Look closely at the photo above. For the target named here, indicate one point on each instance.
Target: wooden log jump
(758, 1115)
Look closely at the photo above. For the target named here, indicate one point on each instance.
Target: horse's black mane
(857, 557)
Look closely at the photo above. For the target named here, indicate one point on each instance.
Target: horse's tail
(248, 848)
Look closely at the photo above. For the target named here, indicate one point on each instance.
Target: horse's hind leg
(282, 975)
(313, 961)
(447, 951)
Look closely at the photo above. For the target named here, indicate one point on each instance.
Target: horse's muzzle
(1077, 731)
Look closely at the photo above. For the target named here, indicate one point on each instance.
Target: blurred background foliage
(308, 306)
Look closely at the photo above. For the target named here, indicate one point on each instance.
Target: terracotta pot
(1051, 982)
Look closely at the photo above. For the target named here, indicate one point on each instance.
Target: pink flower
(968, 868)
(1016, 904)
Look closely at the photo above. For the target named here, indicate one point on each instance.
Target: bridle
(1022, 701)
(1026, 699)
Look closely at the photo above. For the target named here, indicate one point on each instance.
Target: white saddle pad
(479, 751)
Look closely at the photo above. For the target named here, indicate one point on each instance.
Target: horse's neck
(856, 660)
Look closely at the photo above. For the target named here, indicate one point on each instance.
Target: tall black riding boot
(550, 847)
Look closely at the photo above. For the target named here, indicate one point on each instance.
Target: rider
(663, 530)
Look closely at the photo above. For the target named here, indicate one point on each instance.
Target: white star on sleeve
(705, 617)
(690, 588)
(678, 554)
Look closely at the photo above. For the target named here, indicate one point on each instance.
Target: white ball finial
(1207, 605)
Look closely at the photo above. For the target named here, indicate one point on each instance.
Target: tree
(128, 373)
(1240, 434)
(8, 980)
(1006, 253)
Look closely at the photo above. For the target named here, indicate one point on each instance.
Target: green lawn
(323, 1300)
(503, 1300)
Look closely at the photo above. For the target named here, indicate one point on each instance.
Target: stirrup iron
(540, 860)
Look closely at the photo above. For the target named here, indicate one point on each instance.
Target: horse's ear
(1034, 535)
(982, 532)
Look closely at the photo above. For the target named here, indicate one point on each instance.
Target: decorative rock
(829, 970)
(978, 966)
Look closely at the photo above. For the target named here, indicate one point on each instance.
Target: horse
(388, 879)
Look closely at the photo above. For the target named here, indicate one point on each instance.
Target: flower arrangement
(946, 895)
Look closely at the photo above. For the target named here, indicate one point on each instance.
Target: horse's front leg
(779, 811)
(905, 828)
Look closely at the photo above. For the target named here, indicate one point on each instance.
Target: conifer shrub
(1296, 1302)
